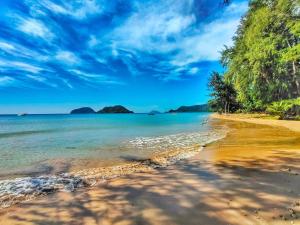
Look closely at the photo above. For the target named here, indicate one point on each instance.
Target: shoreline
(22, 189)
(79, 180)
(249, 177)
(252, 118)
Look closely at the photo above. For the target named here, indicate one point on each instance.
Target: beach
(262, 119)
(249, 177)
(157, 112)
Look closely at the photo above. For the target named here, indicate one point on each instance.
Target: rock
(115, 109)
(83, 110)
(193, 108)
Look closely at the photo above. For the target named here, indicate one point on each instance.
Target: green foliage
(263, 65)
(281, 107)
(291, 54)
(223, 93)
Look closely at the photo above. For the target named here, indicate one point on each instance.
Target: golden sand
(250, 177)
(260, 119)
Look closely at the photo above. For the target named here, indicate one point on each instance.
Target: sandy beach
(250, 177)
(260, 119)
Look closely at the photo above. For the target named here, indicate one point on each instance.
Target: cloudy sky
(57, 55)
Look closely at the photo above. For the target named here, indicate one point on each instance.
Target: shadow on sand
(194, 191)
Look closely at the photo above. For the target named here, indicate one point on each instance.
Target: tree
(223, 94)
(263, 65)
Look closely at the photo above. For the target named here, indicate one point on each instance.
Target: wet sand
(250, 177)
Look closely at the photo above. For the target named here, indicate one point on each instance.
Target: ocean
(38, 147)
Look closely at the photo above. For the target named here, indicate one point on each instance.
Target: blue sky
(144, 54)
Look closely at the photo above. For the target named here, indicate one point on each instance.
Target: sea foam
(187, 144)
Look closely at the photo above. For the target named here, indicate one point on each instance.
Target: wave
(169, 149)
(175, 141)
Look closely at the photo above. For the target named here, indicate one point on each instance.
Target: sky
(147, 55)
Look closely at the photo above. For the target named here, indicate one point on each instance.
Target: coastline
(22, 189)
(249, 177)
(254, 118)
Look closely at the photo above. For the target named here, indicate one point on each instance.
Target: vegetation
(263, 65)
(223, 93)
(282, 108)
(192, 108)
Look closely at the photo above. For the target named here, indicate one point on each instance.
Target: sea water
(29, 144)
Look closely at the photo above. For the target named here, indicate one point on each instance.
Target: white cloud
(6, 46)
(95, 78)
(237, 8)
(67, 83)
(26, 67)
(18, 50)
(35, 28)
(207, 41)
(54, 7)
(67, 57)
(170, 26)
(37, 78)
(84, 8)
(93, 41)
(207, 44)
(6, 81)
(152, 25)
(194, 70)
(7, 65)
(43, 80)
(84, 74)
(163, 36)
(78, 9)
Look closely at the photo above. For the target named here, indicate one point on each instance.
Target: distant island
(122, 109)
(83, 110)
(193, 108)
(154, 112)
(115, 109)
(107, 109)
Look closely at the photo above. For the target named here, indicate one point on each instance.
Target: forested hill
(263, 65)
(192, 108)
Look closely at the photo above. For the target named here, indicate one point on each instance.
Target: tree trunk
(294, 73)
(296, 78)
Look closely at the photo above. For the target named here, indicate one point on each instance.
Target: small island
(107, 109)
(83, 110)
(154, 112)
(115, 109)
(193, 108)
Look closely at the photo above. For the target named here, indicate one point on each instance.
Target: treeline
(263, 65)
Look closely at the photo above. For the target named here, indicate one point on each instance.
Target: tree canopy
(263, 65)
(224, 95)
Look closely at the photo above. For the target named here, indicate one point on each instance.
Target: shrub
(286, 109)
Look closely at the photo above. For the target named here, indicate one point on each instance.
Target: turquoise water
(40, 154)
(27, 142)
